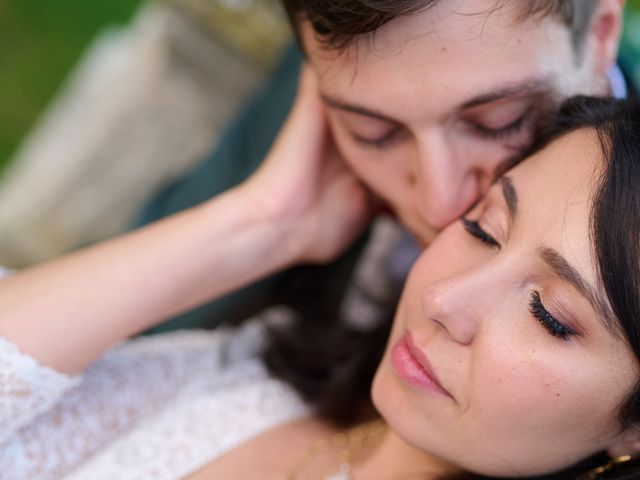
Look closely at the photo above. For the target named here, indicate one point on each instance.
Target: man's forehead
(498, 60)
(461, 19)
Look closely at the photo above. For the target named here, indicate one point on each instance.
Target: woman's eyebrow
(510, 195)
(563, 269)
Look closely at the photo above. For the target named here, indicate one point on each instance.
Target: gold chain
(346, 444)
(593, 474)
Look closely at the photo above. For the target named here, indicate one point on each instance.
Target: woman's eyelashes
(474, 228)
(553, 326)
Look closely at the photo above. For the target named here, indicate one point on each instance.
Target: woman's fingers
(305, 184)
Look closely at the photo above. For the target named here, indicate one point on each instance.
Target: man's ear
(627, 443)
(603, 38)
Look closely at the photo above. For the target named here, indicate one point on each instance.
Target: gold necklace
(347, 443)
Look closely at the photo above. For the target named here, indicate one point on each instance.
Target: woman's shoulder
(197, 392)
(228, 397)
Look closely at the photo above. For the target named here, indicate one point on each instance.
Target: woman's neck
(395, 458)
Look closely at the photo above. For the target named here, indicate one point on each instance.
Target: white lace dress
(156, 407)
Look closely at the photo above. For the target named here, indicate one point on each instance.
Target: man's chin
(422, 233)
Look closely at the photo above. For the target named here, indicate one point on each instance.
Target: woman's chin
(390, 400)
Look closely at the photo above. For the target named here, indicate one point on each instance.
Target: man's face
(431, 106)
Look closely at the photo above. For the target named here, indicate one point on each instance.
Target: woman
(514, 349)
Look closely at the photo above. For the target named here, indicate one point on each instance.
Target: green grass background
(40, 40)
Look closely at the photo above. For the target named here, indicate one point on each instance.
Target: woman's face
(506, 309)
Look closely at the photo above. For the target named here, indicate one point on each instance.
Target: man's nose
(446, 182)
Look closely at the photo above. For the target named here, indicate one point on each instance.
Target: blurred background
(102, 102)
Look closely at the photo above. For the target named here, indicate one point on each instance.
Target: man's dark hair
(337, 24)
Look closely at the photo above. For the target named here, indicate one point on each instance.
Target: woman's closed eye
(474, 228)
(548, 321)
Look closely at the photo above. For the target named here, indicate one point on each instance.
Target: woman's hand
(304, 187)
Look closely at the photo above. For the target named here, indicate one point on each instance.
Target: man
(426, 102)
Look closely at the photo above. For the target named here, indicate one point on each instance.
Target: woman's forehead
(569, 166)
(555, 190)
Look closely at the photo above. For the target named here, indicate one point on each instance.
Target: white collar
(617, 82)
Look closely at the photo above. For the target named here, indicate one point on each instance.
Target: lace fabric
(156, 407)
(26, 389)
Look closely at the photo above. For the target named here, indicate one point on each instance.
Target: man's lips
(413, 367)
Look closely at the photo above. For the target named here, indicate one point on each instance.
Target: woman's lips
(412, 366)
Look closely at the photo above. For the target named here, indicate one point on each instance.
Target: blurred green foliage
(40, 40)
(630, 45)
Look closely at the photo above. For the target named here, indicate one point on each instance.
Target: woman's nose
(457, 304)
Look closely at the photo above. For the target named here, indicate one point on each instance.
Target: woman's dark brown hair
(332, 365)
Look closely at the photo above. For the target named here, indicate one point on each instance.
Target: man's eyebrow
(566, 272)
(348, 107)
(529, 86)
(510, 196)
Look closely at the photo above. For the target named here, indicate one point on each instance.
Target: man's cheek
(359, 161)
(377, 170)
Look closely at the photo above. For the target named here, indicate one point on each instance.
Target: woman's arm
(302, 205)
(67, 312)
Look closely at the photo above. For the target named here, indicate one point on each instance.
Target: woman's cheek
(522, 387)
